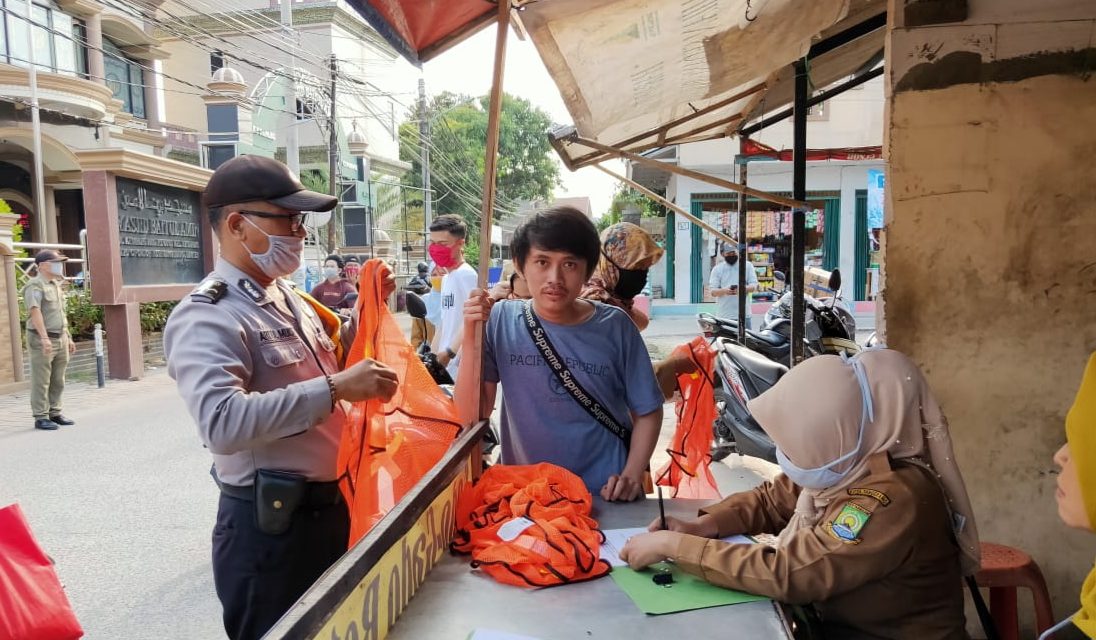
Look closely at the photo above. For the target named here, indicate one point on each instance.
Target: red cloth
(333, 294)
(33, 605)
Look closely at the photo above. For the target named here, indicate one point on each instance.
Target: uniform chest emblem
(255, 293)
(849, 521)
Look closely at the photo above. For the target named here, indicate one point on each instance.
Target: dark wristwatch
(449, 352)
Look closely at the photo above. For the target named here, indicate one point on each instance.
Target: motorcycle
(828, 327)
(416, 308)
(746, 371)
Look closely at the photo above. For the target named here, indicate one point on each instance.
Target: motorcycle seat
(756, 364)
(771, 338)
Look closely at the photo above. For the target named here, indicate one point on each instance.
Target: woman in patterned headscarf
(627, 253)
(1076, 493)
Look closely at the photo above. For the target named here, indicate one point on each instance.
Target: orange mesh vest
(688, 470)
(530, 526)
(386, 447)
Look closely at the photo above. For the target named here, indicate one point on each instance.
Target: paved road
(123, 502)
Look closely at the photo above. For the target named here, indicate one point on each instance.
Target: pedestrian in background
(447, 238)
(48, 339)
(334, 291)
(258, 367)
(723, 284)
(627, 255)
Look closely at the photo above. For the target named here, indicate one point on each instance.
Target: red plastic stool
(1003, 570)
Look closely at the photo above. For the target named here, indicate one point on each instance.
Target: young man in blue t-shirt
(543, 419)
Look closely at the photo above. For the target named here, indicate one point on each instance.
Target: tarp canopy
(421, 29)
(643, 74)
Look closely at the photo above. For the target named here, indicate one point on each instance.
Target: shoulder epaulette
(209, 291)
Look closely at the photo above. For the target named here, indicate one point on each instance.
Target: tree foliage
(625, 198)
(526, 168)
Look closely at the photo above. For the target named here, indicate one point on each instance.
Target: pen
(661, 508)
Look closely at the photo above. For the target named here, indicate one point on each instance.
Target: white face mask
(282, 257)
(56, 268)
(331, 272)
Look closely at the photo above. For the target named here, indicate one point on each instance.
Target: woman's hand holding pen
(704, 526)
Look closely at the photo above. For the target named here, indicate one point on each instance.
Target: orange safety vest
(386, 447)
(689, 469)
(331, 321)
(530, 526)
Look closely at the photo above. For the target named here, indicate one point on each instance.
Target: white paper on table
(615, 539)
(491, 634)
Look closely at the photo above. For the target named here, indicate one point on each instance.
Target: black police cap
(249, 178)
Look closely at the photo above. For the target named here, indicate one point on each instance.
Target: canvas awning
(643, 74)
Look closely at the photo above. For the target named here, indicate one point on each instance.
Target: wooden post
(469, 391)
(666, 203)
(689, 173)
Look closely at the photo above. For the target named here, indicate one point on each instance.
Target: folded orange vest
(530, 526)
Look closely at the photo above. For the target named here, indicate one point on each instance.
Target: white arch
(55, 155)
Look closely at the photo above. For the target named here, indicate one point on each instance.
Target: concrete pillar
(125, 357)
(51, 216)
(990, 215)
(9, 330)
(94, 25)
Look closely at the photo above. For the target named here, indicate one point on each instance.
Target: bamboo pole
(469, 391)
(696, 175)
(669, 205)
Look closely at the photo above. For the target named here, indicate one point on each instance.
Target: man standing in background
(723, 284)
(48, 339)
(447, 237)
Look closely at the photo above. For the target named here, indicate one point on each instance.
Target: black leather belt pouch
(278, 495)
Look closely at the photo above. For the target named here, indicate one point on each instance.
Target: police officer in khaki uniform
(262, 378)
(875, 527)
(48, 339)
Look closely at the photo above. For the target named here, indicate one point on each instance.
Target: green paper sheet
(684, 594)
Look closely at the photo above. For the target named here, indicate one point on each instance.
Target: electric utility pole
(333, 159)
(424, 158)
(292, 150)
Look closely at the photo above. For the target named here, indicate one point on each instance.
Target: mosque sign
(159, 234)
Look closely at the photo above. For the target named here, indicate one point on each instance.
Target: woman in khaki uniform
(875, 526)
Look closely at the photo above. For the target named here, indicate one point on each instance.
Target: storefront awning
(643, 74)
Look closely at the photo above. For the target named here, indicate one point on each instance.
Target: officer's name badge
(850, 521)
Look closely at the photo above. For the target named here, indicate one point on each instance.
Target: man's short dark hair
(558, 229)
(451, 224)
(216, 215)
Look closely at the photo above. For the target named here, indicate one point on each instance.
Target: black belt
(53, 334)
(319, 494)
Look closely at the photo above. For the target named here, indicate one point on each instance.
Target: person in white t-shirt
(723, 284)
(447, 236)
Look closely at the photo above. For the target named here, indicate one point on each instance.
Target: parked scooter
(828, 327)
(746, 371)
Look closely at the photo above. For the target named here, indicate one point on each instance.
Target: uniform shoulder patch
(209, 291)
(877, 495)
(850, 522)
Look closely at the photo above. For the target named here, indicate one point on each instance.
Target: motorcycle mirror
(835, 281)
(779, 276)
(415, 306)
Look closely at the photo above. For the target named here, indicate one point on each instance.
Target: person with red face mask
(447, 235)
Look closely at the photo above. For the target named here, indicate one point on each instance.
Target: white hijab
(903, 420)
